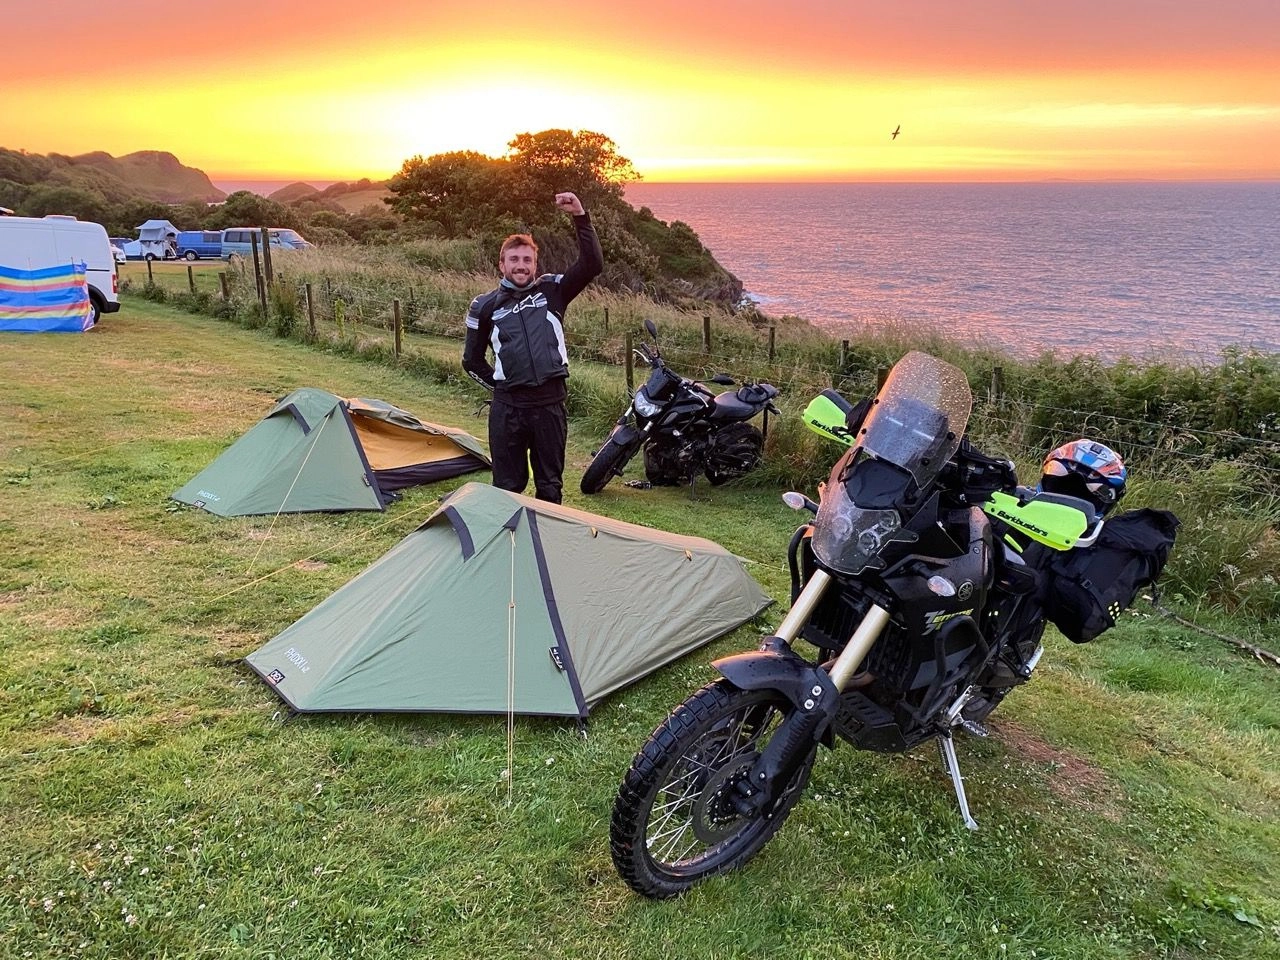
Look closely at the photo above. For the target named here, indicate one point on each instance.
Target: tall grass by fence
(1203, 441)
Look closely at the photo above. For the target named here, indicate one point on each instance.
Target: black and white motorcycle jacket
(523, 326)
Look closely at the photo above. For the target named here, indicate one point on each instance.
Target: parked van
(194, 244)
(291, 239)
(33, 243)
(236, 240)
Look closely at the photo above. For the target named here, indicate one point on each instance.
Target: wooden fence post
(395, 311)
(311, 314)
(226, 292)
(631, 373)
(606, 320)
(997, 384)
(257, 275)
(844, 355)
(191, 278)
(266, 254)
(706, 334)
(882, 374)
(150, 279)
(773, 340)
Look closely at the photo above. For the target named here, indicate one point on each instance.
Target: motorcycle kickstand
(947, 748)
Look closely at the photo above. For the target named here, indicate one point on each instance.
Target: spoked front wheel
(673, 822)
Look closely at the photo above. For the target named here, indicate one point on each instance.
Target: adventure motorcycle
(684, 428)
(908, 588)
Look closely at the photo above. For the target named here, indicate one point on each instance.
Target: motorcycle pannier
(1087, 588)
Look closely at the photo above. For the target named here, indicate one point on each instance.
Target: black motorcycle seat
(727, 406)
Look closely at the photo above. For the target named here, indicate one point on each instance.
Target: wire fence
(404, 315)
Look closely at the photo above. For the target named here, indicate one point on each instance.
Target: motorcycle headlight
(643, 405)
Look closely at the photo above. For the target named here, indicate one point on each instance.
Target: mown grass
(154, 803)
(1199, 441)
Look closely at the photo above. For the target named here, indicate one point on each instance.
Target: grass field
(154, 802)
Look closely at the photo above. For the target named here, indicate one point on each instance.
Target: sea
(1155, 271)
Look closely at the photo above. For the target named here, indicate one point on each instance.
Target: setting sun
(716, 91)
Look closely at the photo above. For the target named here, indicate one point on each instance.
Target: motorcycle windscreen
(912, 430)
(919, 416)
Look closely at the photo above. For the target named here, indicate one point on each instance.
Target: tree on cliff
(458, 190)
(464, 193)
(586, 163)
(467, 192)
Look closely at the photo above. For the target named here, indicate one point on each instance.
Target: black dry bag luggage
(1087, 588)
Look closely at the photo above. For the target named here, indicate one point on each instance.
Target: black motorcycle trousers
(521, 436)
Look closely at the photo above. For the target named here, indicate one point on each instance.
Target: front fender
(626, 435)
(776, 667)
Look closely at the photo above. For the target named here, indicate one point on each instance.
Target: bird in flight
(897, 130)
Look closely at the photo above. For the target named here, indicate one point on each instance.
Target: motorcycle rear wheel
(736, 450)
(673, 825)
(606, 464)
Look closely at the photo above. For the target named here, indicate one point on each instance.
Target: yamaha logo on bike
(964, 591)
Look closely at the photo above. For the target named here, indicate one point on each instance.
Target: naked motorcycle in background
(684, 428)
(916, 608)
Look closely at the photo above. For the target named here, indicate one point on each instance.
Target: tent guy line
(276, 516)
(110, 446)
(511, 674)
(329, 548)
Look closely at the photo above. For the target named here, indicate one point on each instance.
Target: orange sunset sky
(689, 90)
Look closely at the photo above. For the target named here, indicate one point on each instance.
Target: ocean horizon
(1153, 270)
(1148, 269)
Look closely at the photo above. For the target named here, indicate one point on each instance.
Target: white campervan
(32, 243)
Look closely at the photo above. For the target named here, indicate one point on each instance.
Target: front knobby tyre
(605, 465)
(673, 824)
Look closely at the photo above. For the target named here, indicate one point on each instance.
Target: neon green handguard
(1056, 525)
(825, 415)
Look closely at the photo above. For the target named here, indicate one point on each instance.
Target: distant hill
(351, 197)
(354, 197)
(294, 192)
(146, 175)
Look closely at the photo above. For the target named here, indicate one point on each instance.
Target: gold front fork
(855, 651)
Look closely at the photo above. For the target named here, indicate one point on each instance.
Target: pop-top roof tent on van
(158, 239)
(160, 230)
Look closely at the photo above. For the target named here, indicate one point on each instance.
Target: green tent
(501, 603)
(315, 451)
